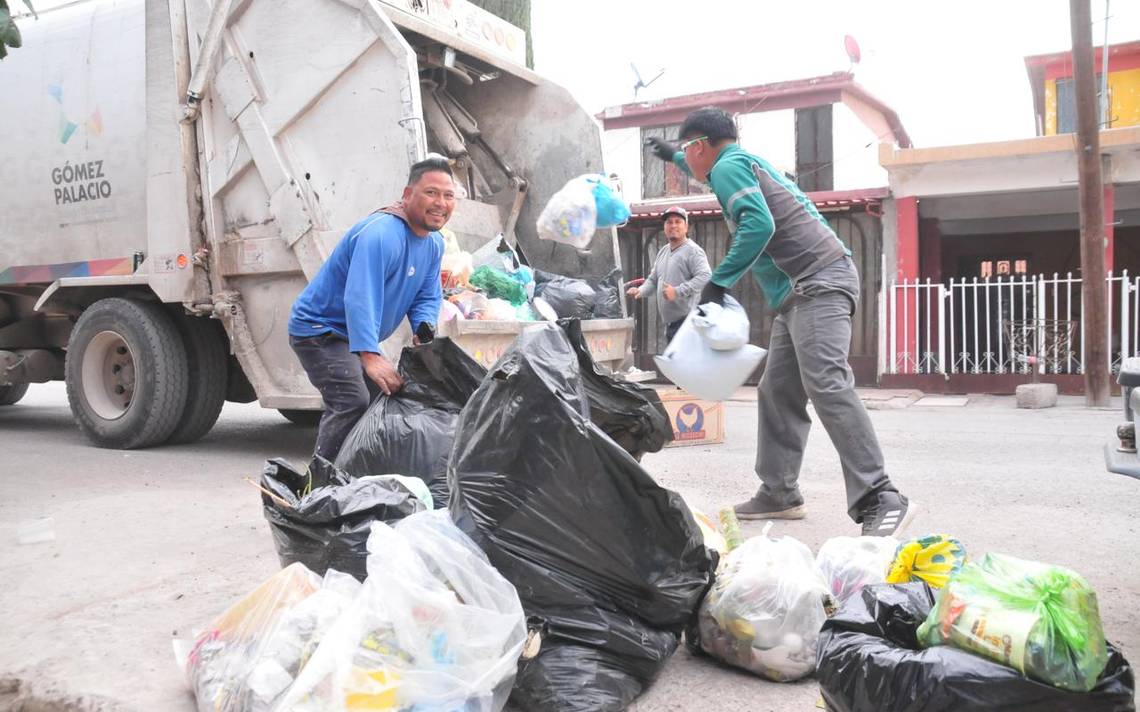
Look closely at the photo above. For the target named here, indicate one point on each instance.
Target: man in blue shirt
(384, 269)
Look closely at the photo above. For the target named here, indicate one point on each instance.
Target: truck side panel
(72, 179)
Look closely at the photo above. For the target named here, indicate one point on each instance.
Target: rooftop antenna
(642, 84)
(1105, 119)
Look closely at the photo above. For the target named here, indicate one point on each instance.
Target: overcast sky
(954, 71)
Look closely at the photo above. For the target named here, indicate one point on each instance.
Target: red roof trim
(707, 205)
(801, 93)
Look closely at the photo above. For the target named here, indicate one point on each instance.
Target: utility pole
(1093, 286)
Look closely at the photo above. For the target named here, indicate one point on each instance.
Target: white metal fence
(995, 326)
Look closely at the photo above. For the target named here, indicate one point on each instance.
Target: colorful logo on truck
(689, 423)
(67, 128)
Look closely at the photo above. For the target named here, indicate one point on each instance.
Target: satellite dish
(641, 84)
(852, 48)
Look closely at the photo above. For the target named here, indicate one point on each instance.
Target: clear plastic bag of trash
(850, 563)
(724, 328)
(571, 216)
(434, 627)
(764, 611)
(692, 363)
(246, 658)
(497, 253)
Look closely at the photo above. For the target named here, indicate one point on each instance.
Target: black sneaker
(889, 516)
(763, 506)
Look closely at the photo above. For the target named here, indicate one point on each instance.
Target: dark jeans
(671, 330)
(339, 376)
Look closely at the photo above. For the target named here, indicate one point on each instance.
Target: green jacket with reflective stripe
(777, 233)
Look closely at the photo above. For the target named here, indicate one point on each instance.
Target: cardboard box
(694, 421)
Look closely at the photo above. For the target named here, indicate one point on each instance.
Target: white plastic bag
(765, 609)
(723, 328)
(691, 361)
(571, 216)
(434, 627)
(850, 563)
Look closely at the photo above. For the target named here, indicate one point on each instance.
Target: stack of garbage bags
(434, 627)
(493, 284)
(572, 298)
(410, 432)
(608, 562)
(871, 658)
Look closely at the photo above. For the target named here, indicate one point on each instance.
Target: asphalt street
(149, 544)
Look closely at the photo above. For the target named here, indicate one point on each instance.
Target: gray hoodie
(687, 269)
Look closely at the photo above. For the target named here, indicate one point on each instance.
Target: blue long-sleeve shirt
(379, 273)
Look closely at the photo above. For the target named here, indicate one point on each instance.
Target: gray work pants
(807, 359)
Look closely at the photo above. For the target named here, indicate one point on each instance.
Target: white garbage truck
(175, 171)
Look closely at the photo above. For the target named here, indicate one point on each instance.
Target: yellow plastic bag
(933, 558)
(709, 530)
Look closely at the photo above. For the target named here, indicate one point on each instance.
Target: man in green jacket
(807, 277)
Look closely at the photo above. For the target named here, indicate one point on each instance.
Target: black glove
(425, 333)
(661, 148)
(712, 293)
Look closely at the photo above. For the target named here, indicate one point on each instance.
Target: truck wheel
(206, 354)
(126, 374)
(11, 395)
(306, 418)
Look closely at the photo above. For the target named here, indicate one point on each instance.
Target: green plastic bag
(498, 285)
(1039, 619)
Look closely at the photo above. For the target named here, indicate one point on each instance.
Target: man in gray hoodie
(679, 273)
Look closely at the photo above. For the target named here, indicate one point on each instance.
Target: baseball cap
(675, 210)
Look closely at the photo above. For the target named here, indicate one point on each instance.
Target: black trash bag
(611, 562)
(569, 298)
(632, 415)
(587, 677)
(869, 661)
(608, 296)
(328, 527)
(410, 432)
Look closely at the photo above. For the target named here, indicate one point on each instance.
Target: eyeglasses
(690, 142)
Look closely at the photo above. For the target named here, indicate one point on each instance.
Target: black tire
(304, 418)
(206, 355)
(11, 395)
(126, 374)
